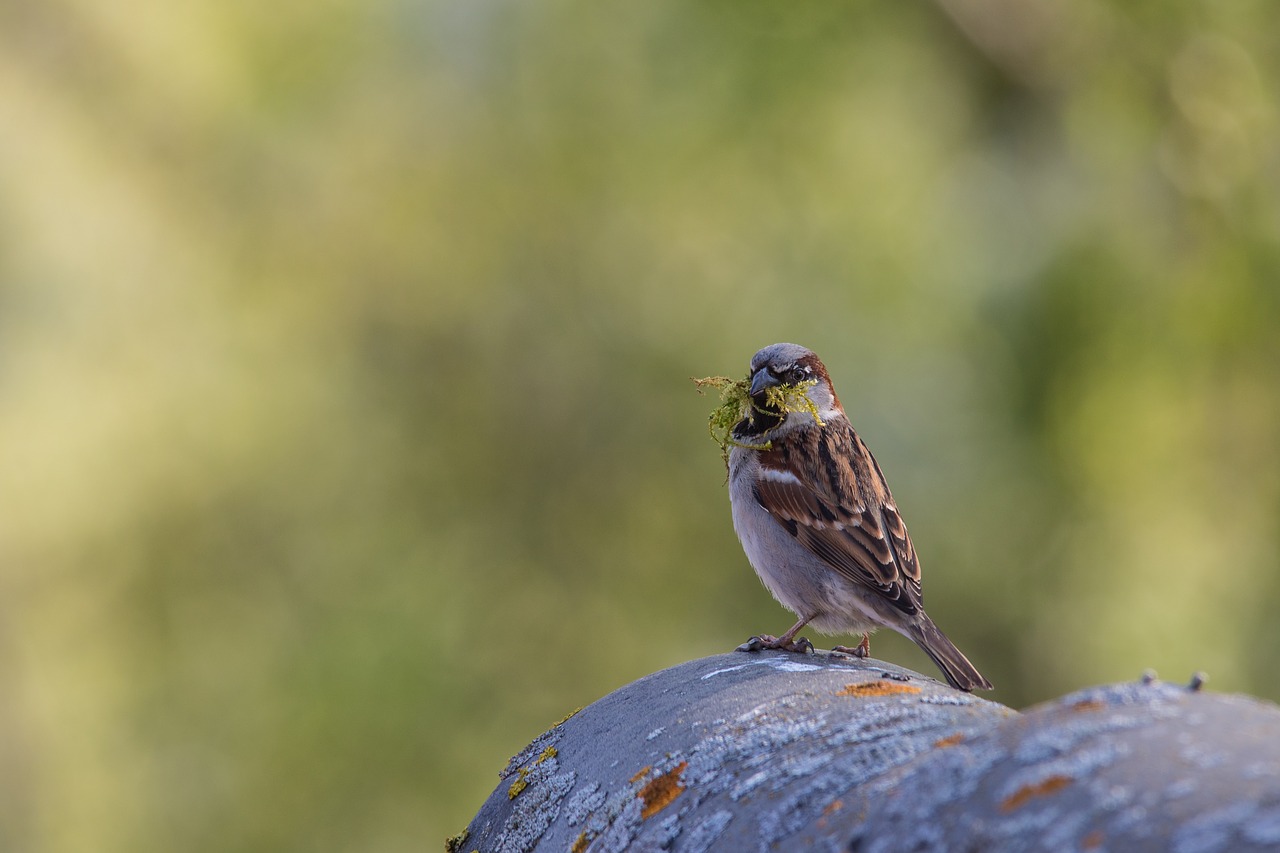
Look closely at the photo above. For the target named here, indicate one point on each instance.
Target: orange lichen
(876, 688)
(832, 807)
(1093, 840)
(1019, 797)
(519, 785)
(1088, 705)
(522, 778)
(580, 843)
(659, 793)
(454, 844)
(641, 773)
(950, 740)
(566, 718)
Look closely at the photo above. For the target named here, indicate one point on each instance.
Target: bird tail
(960, 674)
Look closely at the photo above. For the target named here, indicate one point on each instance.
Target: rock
(777, 751)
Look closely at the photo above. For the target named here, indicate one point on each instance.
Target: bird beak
(761, 381)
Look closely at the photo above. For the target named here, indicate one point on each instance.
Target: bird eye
(797, 374)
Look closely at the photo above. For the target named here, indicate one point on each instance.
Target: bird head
(787, 383)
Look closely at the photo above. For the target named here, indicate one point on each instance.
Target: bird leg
(862, 650)
(786, 642)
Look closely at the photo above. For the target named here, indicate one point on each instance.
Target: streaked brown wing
(847, 518)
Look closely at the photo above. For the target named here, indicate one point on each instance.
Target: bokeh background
(346, 433)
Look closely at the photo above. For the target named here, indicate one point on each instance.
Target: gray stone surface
(1126, 767)
(776, 751)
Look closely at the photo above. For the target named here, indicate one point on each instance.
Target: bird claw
(761, 642)
(862, 650)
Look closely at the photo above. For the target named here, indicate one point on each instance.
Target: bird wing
(845, 514)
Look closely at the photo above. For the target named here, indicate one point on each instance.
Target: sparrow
(817, 521)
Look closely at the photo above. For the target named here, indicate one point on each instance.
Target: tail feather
(960, 674)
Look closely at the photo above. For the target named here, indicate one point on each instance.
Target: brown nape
(820, 373)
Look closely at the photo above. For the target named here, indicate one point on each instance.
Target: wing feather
(841, 510)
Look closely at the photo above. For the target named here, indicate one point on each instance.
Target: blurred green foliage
(347, 434)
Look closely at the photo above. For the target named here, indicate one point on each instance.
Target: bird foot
(767, 641)
(862, 650)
